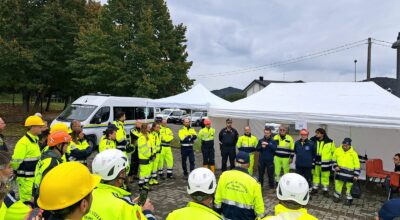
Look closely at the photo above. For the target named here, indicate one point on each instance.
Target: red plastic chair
(394, 182)
(371, 171)
(378, 164)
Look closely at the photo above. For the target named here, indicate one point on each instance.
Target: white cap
(293, 187)
(202, 180)
(109, 163)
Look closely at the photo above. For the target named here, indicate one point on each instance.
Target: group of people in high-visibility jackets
(60, 168)
(238, 195)
(147, 147)
(54, 181)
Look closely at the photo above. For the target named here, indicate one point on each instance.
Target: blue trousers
(187, 152)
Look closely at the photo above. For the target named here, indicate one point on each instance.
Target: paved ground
(171, 194)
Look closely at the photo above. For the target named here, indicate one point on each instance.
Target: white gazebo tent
(362, 111)
(197, 97)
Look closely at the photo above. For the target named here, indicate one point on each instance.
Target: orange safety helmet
(207, 121)
(57, 138)
(304, 132)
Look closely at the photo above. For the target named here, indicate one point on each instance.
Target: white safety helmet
(109, 163)
(294, 187)
(202, 180)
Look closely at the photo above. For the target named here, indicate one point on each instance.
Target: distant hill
(226, 91)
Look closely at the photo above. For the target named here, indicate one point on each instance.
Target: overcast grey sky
(229, 35)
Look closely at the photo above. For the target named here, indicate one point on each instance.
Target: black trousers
(225, 153)
(208, 155)
(306, 173)
(134, 163)
(269, 167)
(187, 152)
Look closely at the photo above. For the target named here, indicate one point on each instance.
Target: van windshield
(76, 112)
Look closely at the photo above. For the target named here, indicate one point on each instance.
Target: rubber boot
(212, 168)
(348, 202)
(155, 182)
(335, 199)
(326, 194)
(151, 182)
(314, 191)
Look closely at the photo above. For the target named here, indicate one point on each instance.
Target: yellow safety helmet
(34, 121)
(65, 185)
(59, 127)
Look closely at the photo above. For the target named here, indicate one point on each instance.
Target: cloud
(226, 35)
(230, 35)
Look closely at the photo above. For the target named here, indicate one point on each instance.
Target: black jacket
(228, 138)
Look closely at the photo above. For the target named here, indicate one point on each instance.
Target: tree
(39, 34)
(173, 48)
(235, 96)
(17, 57)
(133, 50)
(52, 38)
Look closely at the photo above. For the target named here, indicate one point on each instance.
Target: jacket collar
(204, 208)
(32, 136)
(267, 139)
(242, 169)
(114, 190)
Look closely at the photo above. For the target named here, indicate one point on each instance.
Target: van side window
(151, 113)
(139, 113)
(129, 112)
(102, 115)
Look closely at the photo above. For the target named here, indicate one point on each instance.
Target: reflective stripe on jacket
(348, 163)
(26, 155)
(285, 147)
(239, 195)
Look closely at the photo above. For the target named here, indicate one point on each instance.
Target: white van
(96, 111)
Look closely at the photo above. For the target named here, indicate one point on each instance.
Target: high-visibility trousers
(320, 177)
(144, 174)
(154, 167)
(25, 185)
(166, 157)
(281, 163)
(339, 187)
(251, 165)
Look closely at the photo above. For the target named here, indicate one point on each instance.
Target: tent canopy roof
(362, 104)
(197, 97)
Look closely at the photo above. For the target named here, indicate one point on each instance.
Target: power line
(282, 64)
(383, 45)
(274, 63)
(382, 41)
(289, 61)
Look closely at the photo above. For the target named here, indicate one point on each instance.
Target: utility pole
(396, 46)
(355, 70)
(369, 59)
